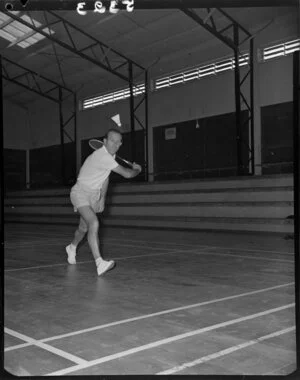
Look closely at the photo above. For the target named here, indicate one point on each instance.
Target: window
(195, 73)
(112, 97)
(19, 34)
(280, 50)
(200, 72)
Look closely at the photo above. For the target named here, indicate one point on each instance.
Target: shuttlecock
(117, 120)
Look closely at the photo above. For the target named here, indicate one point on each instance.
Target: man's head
(113, 141)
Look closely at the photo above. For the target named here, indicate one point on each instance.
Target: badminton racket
(97, 144)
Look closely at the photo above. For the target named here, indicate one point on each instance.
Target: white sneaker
(105, 266)
(71, 254)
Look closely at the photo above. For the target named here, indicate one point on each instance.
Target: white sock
(99, 261)
(72, 246)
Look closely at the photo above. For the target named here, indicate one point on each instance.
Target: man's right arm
(127, 172)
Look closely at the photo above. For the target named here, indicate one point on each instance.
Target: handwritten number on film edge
(100, 8)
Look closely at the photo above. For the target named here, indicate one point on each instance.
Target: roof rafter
(93, 50)
(30, 80)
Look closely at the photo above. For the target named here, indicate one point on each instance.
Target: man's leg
(80, 232)
(92, 222)
(78, 236)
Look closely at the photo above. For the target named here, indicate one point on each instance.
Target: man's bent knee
(82, 229)
(93, 224)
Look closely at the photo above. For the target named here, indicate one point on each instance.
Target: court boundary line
(115, 244)
(161, 342)
(221, 353)
(174, 251)
(200, 246)
(91, 261)
(240, 256)
(45, 346)
(186, 245)
(146, 316)
(254, 250)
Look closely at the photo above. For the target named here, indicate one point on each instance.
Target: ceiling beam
(212, 30)
(31, 80)
(218, 32)
(146, 4)
(88, 52)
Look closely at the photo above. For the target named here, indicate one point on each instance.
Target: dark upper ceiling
(162, 40)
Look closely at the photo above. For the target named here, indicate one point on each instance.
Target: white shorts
(82, 196)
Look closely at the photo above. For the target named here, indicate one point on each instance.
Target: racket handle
(126, 162)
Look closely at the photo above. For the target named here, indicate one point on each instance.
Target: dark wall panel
(46, 165)
(206, 149)
(277, 138)
(14, 169)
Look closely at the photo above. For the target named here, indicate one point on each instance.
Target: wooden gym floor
(176, 303)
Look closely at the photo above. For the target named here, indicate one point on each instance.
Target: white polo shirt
(96, 168)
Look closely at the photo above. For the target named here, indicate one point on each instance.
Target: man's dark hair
(113, 130)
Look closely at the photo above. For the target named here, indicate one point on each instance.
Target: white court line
(253, 250)
(31, 244)
(227, 351)
(185, 245)
(44, 266)
(50, 243)
(196, 246)
(241, 256)
(46, 347)
(91, 261)
(164, 341)
(115, 244)
(193, 247)
(169, 252)
(168, 311)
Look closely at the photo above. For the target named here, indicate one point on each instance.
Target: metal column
(296, 132)
(146, 128)
(234, 35)
(2, 163)
(62, 145)
(131, 101)
(237, 103)
(251, 110)
(75, 130)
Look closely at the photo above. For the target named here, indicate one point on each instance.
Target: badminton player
(89, 192)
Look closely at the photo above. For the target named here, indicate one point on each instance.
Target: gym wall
(208, 97)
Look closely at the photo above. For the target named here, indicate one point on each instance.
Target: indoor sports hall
(150, 187)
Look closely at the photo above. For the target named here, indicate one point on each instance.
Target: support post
(132, 130)
(237, 102)
(146, 140)
(257, 116)
(76, 139)
(2, 158)
(252, 117)
(2, 190)
(234, 37)
(296, 133)
(62, 147)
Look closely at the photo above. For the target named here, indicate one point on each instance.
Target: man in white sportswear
(89, 192)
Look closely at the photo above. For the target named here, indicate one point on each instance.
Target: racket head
(96, 144)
